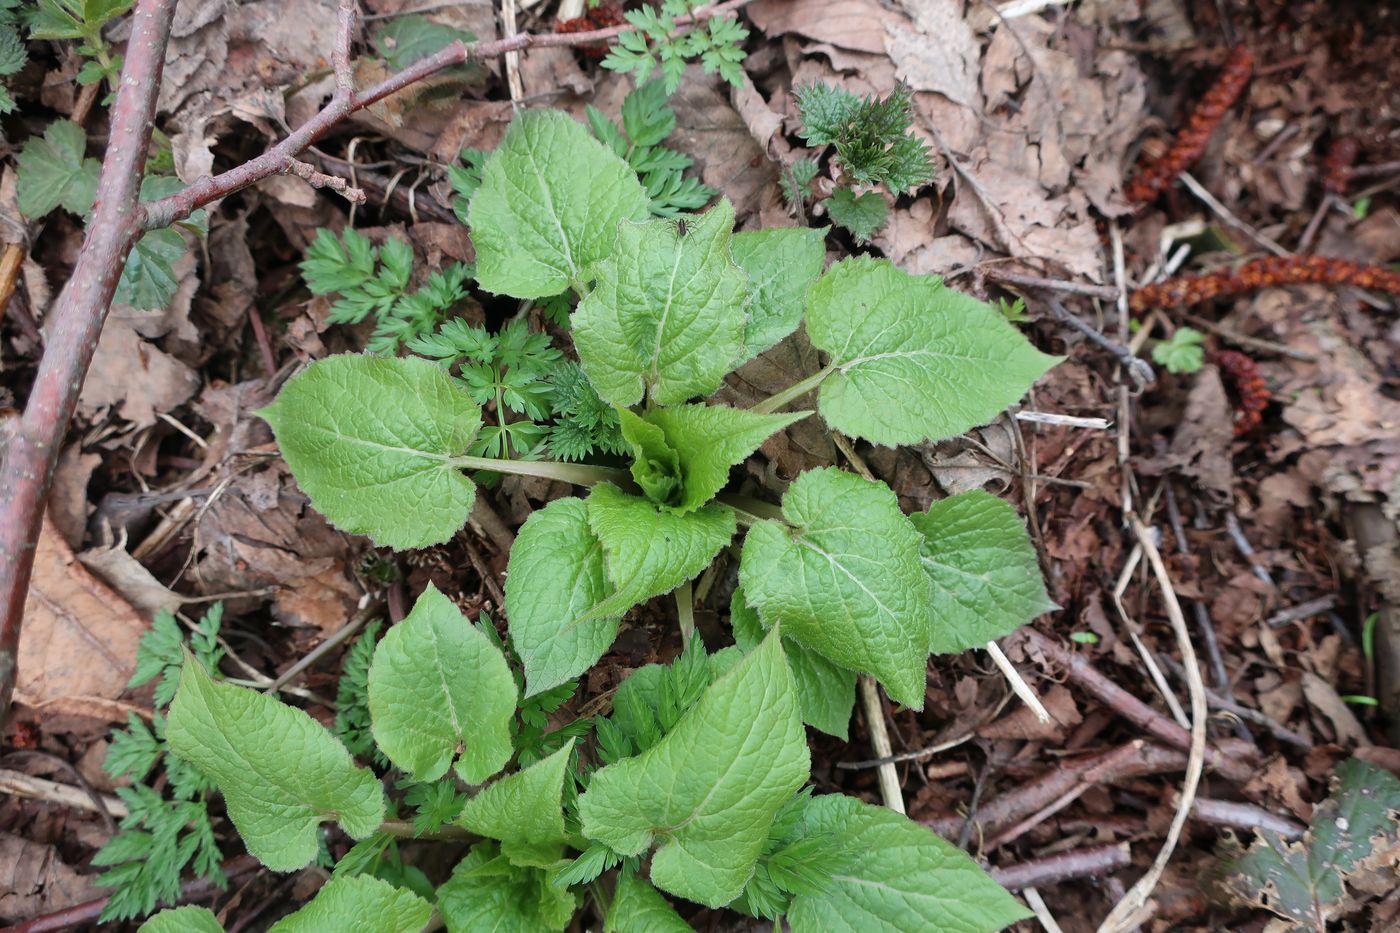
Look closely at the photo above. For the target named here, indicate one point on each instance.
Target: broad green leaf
(709, 790)
(650, 551)
(148, 278)
(548, 207)
(53, 172)
(986, 579)
(638, 907)
(846, 581)
(555, 578)
(666, 318)
(437, 684)
(371, 440)
(708, 440)
(358, 904)
(861, 214)
(655, 464)
(524, 811)
(826, 693)
(913, 359)
(281, 773)
(781, 264)
(404, 40)
(896, 875)
(487, 892)
(183, 920)
(1351, 833)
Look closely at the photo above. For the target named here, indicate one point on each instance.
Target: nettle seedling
(694, 785)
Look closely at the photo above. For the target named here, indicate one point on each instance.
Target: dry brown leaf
(937, 52)
(134, 377)
(260, 532)
(35, 880)
(1324, 698)
(711, 131)
(80, 636)
(125, 574)
(850, 24)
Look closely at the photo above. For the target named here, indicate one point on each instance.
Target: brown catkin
(1155, 177)
(1251, 394)
(1336, 165)
(1264, 273)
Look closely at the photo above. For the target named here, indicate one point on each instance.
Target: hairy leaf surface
(638, 907)
(986, 579)
(548, 208)
(487, 892)
(359, 904)
(896, 875)
(554, 579)
(438, 684)
(650, 551)
(913, 359)
(371, 440)
(846, 581)
(781, 264)
(183, 920)
(709, 439)
(825, 692)
(666, 319)
(524, 811)
(709, 790)
(281, 773)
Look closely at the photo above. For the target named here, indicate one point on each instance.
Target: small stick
(1244, 816)
(339, 636)
(1042, 913)
(1158, 681)
(1244, 340)
(1072, 421)
(1018, 684)
(880, 742)
(1313, 607)
(1121, 917)
(1016, 831)
(1140, 370)
(1064, 866)
(1183, 547)
(1232, 525)
(1224, 213)
(905, 756)
(1106, 292)
(36, 788)
(1130, 707)
(1225, 702)
(1135, 759)
(1379, 168)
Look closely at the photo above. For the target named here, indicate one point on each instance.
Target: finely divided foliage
(693, 783)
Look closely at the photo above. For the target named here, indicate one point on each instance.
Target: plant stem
(403, 829)
(685, 610)
(579, 474)
(751, 511)
(793, 392)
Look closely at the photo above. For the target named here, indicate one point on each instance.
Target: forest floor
(1279, 538)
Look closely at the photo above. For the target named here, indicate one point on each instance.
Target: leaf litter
(1029, 118)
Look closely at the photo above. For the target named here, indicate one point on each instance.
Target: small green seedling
(1182, 353)
(873, 148)
(695, 785)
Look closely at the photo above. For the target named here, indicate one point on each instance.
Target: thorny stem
(76, 322)
(119, 219)
(793, 392)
